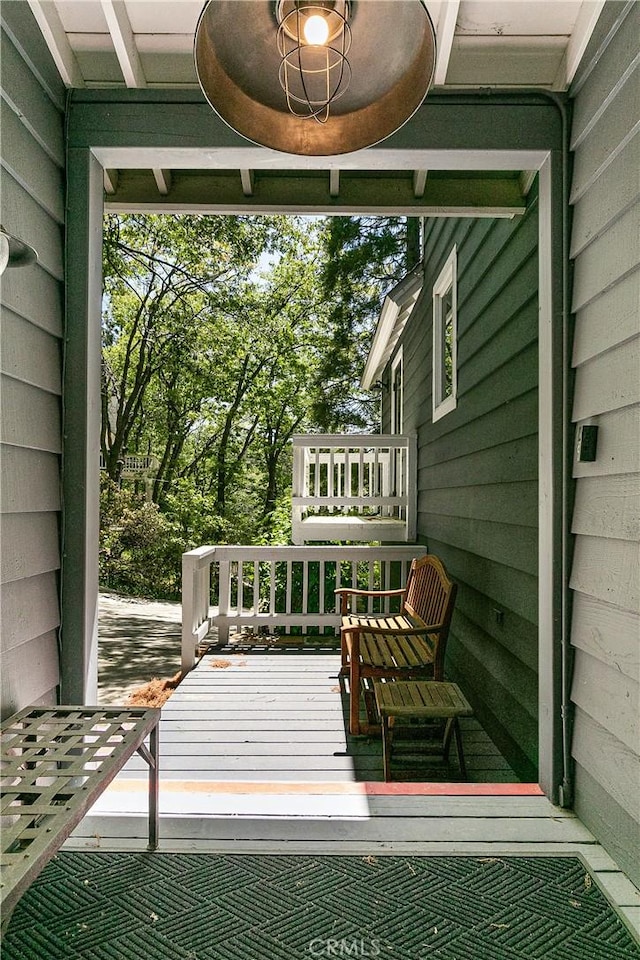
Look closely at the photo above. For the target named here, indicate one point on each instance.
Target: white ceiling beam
(163, 180)
(334, 183)
(48, 19)
(110, 181)
(585, 23)
(419, 182)
(247, 179)
(444, 39)
(124, 42)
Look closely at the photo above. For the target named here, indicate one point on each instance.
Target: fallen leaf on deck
(155, 693)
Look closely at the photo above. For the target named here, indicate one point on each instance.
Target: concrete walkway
(138, 640)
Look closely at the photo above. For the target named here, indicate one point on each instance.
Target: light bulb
(316, 31)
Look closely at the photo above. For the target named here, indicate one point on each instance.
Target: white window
(396, 393)
(445, 339)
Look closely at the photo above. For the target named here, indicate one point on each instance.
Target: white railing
(351, 475)
(278, 588)
(134, 464)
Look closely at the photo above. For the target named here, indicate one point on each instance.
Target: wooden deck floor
(262, 735)
(283, 717)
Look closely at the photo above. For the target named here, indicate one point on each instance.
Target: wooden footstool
(421, 700)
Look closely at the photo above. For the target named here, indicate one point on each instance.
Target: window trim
(397, 361)
(447, 280)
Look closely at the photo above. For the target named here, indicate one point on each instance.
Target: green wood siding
(606, 356)
(32, 172)
(477, 467)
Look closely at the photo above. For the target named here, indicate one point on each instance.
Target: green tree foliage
(222, 337)
(365, 257)
(140, 547)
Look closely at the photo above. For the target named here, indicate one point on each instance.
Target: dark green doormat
(118, 906)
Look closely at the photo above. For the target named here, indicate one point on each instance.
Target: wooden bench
(56, 761)
(408, 645)
(421, 700)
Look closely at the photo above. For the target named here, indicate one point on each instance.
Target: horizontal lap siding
(31, 298)
(477, 467)
(606, 356)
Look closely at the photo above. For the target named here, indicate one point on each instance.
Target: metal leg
(151, 757)
(153, 789)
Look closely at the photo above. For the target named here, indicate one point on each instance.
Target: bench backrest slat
(429, 598)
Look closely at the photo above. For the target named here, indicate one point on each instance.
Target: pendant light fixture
(316, 78)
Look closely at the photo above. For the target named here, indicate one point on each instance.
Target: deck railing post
(188, 613)
(196, 598)
(300, 484)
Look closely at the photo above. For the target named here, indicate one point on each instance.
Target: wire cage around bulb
(313, 73)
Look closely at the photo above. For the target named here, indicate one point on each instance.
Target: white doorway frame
(89, 157)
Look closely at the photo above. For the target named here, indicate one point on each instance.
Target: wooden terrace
(263, 732)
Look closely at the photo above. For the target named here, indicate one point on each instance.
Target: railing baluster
(321, 576)
(240, 586)
(371, 585)
(224, 600)
(386, 482)
(387, 580)
(256, 588)
(316, 476)
(272, 587)
(288, 595)
(305, 586)
(330, 477)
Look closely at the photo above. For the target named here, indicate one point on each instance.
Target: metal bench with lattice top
(56, 761)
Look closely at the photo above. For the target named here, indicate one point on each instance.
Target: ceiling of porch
(480, 44)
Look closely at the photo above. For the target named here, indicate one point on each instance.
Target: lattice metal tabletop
(56, 761)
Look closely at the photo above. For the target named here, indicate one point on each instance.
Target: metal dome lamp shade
(316, 78)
